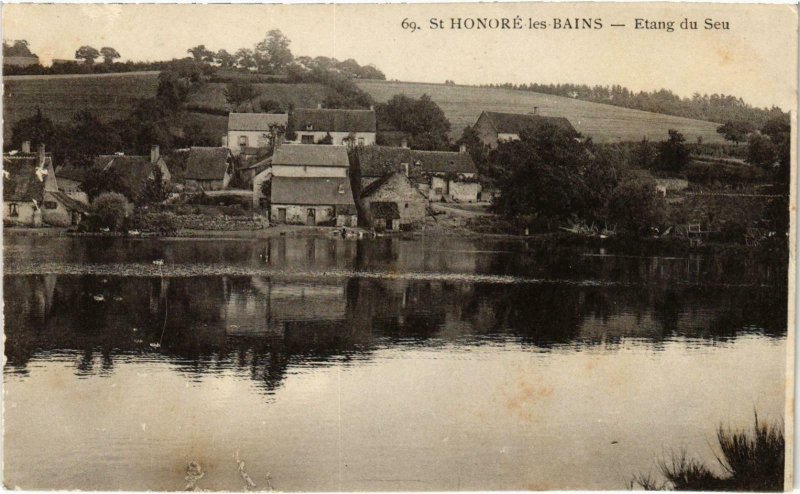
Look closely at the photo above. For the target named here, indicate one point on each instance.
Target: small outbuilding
(394, 202)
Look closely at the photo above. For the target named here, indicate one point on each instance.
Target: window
(307, 139)
(406, 205)
(309, 127)
(341, 188)
(243, 141)
(13, 211)
(360, 141)
(50, 205)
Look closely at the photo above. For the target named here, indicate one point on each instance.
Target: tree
(761, 151)
(273, 54)
(735, 131)
(109, 54)
(238, 92)
(110, 209)
(97, 181)
(154, 191)
(37, 129)
(634, 207)
(478, 151)
(225, 59)
(172, 90)
(201, 54)
(245, 58)
(20, 48)
(87, 54)
(540, 177)
(328, 139)
(644, 154)
(421, 118)
(673, 154)
(274, 135)
(87, 137)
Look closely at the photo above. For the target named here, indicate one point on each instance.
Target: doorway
(311, 219)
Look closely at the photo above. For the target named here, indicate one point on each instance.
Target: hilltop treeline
(714, 108)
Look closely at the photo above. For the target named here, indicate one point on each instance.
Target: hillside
(114, 95)
(604, 123)
(110, 96)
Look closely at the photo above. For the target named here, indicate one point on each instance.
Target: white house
(312, 125)
(251, 130)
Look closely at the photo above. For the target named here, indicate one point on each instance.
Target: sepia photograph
(399, 247)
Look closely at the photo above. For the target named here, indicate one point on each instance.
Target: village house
(247, 131)
(394, 202)
(134, 170)
(439, 175)
(30, 191)
(495, 127)
(309, 185)
(354, 127)
(203, 168)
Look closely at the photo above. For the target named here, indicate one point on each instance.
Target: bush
(110, 210)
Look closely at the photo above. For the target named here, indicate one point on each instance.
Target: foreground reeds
(752, 460)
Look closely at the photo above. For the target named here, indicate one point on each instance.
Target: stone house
(312, 201)
(30, 192)
(251, 130)
(496, 127)
(393, 202)
(204, 168)
(354, 127)
(307, 160)
(439, 175)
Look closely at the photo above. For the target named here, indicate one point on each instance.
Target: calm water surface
(385, 364)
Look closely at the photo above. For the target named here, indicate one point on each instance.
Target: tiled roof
(200, 163)
(71, 203)
(133, 170)
(376, 161)
(333, 120)
(70, 172)
(256, 121)
(20, 181)
(311, 191)
(311, 155)
(514, 123)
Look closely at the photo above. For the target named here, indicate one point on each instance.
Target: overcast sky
(755, 59)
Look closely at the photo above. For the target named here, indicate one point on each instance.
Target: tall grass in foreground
(752, 460)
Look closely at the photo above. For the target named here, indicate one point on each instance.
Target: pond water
(382, 364)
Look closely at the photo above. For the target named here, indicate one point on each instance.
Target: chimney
(404, 143)
(41, 153)
(462, 148)
(26, 146)
(155, 153)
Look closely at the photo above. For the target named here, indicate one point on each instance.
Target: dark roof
(134, 170)
(311, 155)
(514, 123)
(256, 121)
(385, 210)
(333, 120)
(70, 172)
(200, 163)
(376, 161)
(20, 182)
(70, 203)
(311, 191)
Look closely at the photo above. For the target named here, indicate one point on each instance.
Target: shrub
(110, 210)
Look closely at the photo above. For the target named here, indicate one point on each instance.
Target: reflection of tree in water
(260, 327)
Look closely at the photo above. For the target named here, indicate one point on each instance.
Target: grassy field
(114, 95)
(110, 96)
(604, 123)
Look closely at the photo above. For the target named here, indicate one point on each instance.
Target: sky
(756, 58)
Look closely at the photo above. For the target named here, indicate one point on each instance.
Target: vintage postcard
(399, 247)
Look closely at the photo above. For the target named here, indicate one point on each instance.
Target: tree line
(719, 108)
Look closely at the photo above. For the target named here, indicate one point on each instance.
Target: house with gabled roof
(252, 130)
(394, 202)
(440, 175)
(308, 160)
(204, 168)
(134, 170)
(30, 191)
(496, 127)
(343, 127)
(312, 201)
